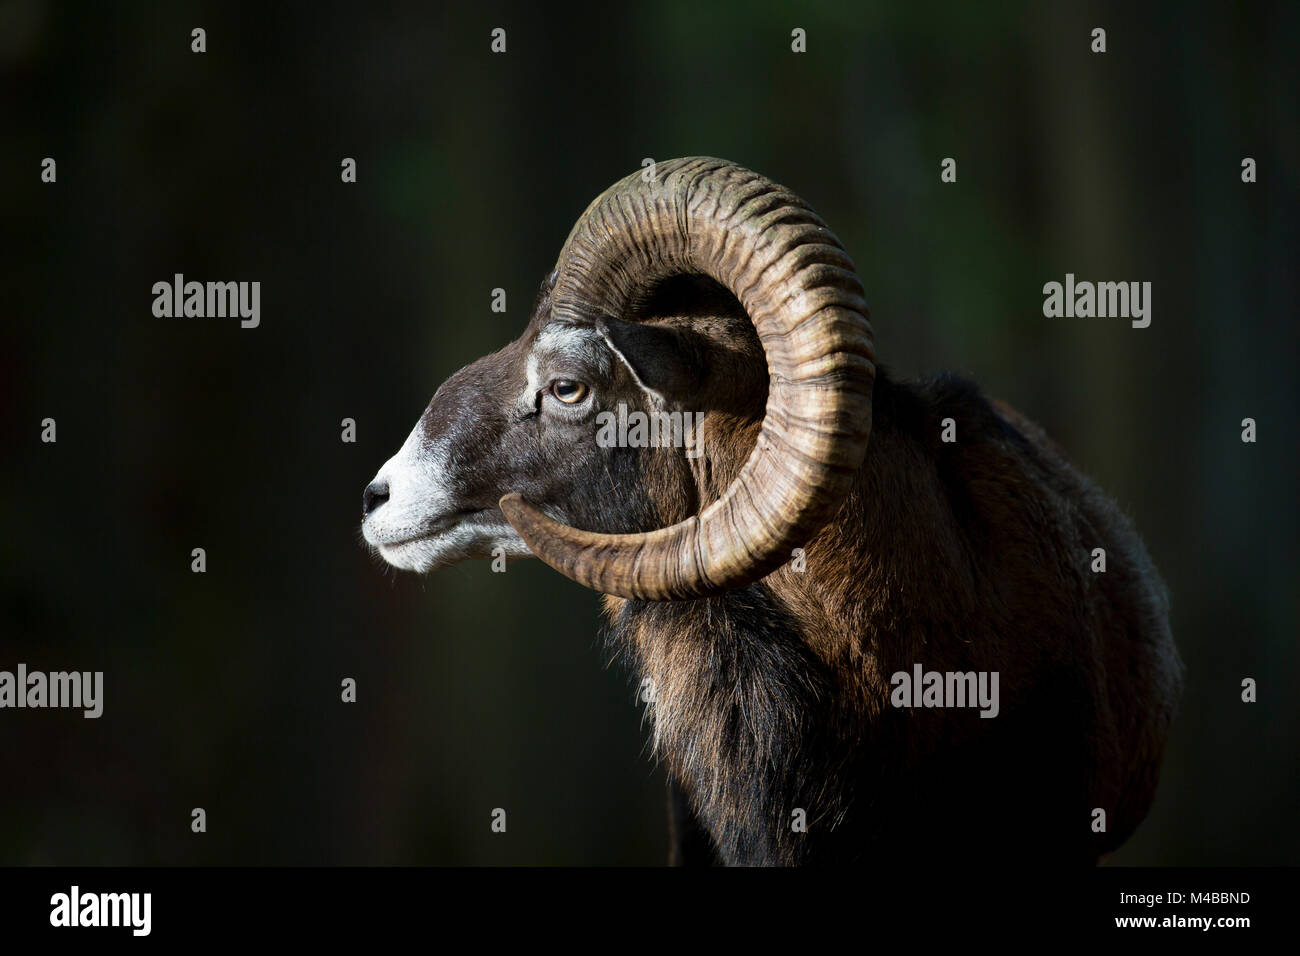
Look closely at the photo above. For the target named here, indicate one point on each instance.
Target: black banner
(332, 905)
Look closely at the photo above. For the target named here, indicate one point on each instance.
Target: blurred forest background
(481, 690)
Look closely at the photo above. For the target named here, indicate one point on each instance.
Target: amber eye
(571, 393)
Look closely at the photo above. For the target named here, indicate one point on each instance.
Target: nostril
(376, 494)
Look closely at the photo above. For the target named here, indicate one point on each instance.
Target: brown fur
(967, 556)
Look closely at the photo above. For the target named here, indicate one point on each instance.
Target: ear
(663, 359)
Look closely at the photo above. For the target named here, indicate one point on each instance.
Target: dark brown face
(553, 417)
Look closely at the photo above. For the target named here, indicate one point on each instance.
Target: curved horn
(799, 288)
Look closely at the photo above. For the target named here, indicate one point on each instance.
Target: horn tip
(517, 511)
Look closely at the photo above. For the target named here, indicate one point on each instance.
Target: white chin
(455, 544)
(407, 557)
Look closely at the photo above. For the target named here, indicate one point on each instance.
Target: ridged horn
(799, 288)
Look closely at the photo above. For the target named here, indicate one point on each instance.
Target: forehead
(575, 347)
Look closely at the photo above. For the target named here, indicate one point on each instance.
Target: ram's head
(708, 301)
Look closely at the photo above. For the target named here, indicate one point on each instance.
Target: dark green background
(481, 690)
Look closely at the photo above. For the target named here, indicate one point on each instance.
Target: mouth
(433, 528)
(447, 539)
